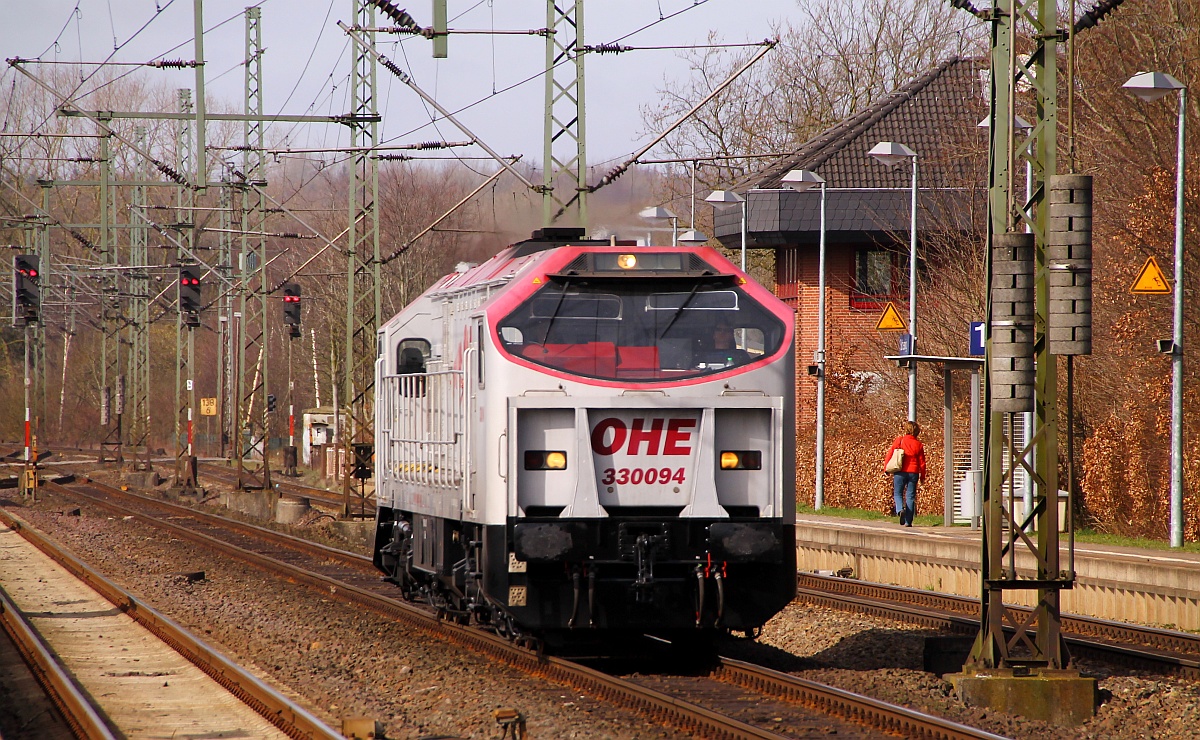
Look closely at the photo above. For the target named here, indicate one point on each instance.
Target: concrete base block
(942, 655)
(258, 504)
(179, 493)
(1061, 697)
(360, 535)
(142, 479)
(291, 510)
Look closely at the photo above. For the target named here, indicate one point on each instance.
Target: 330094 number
(640, 476)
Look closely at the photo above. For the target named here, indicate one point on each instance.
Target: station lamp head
(802, 180)
(693, 238)
(721, 198)
(656, 213)
(891, 153)
(1150, 86)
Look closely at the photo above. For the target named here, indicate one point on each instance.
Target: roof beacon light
(627, 261)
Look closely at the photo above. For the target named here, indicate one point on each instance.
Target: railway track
(39, 686)
(352, 579)
(326, 499)
(92, 647)
(1168, 651)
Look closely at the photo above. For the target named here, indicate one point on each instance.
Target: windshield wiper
(679, 311)
(561, 296)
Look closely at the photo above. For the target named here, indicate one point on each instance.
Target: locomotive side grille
(420, 424)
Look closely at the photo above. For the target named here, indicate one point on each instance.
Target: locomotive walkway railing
(422, 418)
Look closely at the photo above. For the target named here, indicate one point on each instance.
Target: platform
(1153, 587)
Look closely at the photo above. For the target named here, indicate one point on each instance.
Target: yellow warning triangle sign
(890, 320)
(1151, 279)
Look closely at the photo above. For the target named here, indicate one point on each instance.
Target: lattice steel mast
(185, 342)
(138, 386)
(363, 302)
(564, 175)
(252, 431)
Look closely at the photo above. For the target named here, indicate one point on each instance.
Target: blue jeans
(906, 484)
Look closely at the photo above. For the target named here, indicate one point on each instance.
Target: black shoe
(909, 524)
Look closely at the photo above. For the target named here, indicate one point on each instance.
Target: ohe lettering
(643, 436)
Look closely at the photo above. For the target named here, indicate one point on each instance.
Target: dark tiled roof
(935, 115)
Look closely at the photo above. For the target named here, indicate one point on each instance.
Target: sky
(306, 66)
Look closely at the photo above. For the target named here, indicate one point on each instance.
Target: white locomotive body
(579, 435)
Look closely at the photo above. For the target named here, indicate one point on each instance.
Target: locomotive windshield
(641, 330)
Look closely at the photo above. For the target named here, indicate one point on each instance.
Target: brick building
(868, 212)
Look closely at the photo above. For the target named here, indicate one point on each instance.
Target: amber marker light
(627, 261)
(741, 460)
(545, 460)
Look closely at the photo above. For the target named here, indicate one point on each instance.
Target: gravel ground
(882, 658)
(350, 664)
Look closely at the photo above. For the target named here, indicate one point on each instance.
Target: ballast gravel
(343, 663)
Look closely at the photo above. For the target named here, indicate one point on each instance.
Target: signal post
(27, 303)
(1038, 308)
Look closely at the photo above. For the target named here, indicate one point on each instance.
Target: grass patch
(1100, 538)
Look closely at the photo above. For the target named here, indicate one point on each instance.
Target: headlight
(741, 460)
(545, 460)
(627, 261)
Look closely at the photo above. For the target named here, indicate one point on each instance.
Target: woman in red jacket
(912, 471)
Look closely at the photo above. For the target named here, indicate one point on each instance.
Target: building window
(879, 276)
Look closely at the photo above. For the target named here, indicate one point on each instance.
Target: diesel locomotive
(577, 435)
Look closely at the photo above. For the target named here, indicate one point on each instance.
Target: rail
(289, 717)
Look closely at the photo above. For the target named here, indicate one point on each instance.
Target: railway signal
(27, 290)
(291, 308)
(270, 403)
(189, 295)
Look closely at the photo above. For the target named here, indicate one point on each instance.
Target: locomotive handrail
(469, 380)
(423, 421)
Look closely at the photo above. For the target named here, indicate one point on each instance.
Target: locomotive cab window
(641, 330)
(412, 355)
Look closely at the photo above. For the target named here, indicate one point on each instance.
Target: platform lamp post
(658, 213)
(803, 181)
(724, 199)
(1151, 86)
(891, 154)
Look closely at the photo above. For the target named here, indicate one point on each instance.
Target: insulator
(431, 145)
(395, 157)
(1069, 264)
(82, 239)
(965, 5)
(390, 66)
(608, 48)
(398, 15)
(171, 64)
(1092, 17)
(1010, 367)
(171, 173)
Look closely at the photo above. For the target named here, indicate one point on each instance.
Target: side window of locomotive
(412, 356)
